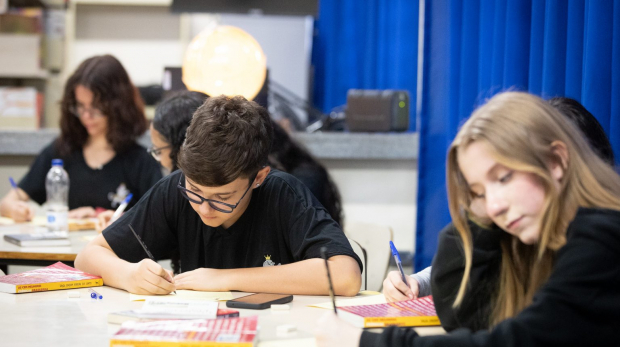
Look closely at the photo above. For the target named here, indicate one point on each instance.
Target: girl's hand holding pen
(148, 277)
(104, 219)
(20, 212)
(16, 202)
(395, 289)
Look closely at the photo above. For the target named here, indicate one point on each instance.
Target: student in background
(101, 118)
(558, 204)
(238, 225)
(449, 264)
(588, 125)
(287, 155)
(172, 117)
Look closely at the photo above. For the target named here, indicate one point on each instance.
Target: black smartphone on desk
(259, 301)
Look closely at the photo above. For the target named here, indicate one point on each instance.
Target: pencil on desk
(144, 247)
(329, 279)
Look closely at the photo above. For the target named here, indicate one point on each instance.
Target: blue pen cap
(57, 162)
(128, 198)
(394, 251)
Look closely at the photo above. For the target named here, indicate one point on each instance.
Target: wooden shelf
(125, 2)
(42, 74)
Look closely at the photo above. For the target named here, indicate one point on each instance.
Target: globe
(225, 60)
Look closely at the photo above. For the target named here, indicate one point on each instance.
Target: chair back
(361, 253)
(375, 241)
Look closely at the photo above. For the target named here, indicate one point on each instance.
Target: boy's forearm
(100, 261)
(306, 277)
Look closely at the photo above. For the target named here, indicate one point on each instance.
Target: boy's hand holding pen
(150, 277)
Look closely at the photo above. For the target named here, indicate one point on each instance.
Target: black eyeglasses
(156, 151)
(216, 205)
(80, 110)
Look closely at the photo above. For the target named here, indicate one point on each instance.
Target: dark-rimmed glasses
(80, 110)
(156, 151)
(214, 204)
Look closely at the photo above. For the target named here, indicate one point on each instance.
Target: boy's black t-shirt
(283, 223)
(133, 170)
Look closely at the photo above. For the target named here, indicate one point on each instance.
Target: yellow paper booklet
(229, 332)
(410, 313)
(54, 277)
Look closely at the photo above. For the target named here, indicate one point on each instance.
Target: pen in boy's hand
(144, 247)
(398, 262)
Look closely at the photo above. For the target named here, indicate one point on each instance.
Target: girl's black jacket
(578, 306)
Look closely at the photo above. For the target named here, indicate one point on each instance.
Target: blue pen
(398, 262)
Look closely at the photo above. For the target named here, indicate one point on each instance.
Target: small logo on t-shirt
(268, 261)
(119, 196)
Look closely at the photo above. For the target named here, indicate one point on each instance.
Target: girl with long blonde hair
(559, 204)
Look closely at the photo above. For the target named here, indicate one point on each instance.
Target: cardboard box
(20, 55)
(20, 108)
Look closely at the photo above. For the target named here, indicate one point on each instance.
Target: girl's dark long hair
(114, 95)
(288, 156)
(172, 117)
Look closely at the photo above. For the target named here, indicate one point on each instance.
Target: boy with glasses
(237, 224)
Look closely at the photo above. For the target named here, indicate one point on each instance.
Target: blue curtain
(476, 48)
(364, 44)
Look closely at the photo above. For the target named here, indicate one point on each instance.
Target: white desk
(53, 319)
(11, 254)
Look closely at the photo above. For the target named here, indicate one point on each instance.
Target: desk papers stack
(229, 332)
(54, 277)
(418, 312)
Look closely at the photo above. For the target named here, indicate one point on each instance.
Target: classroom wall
(379, 192)
(148, 38)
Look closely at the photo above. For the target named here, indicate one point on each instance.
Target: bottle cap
(57, 162)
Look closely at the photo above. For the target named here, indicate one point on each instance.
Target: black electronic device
(266, 7)
(259, 301)
(377, 110)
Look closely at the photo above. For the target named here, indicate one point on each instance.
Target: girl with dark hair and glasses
(102, 115)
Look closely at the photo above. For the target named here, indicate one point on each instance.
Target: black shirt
(578, 306)
(133, 170)
(282, 224)
(447, 272)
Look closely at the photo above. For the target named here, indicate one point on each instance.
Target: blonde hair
(522, 129)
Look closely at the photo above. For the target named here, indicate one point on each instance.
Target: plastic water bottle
(57, 206)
